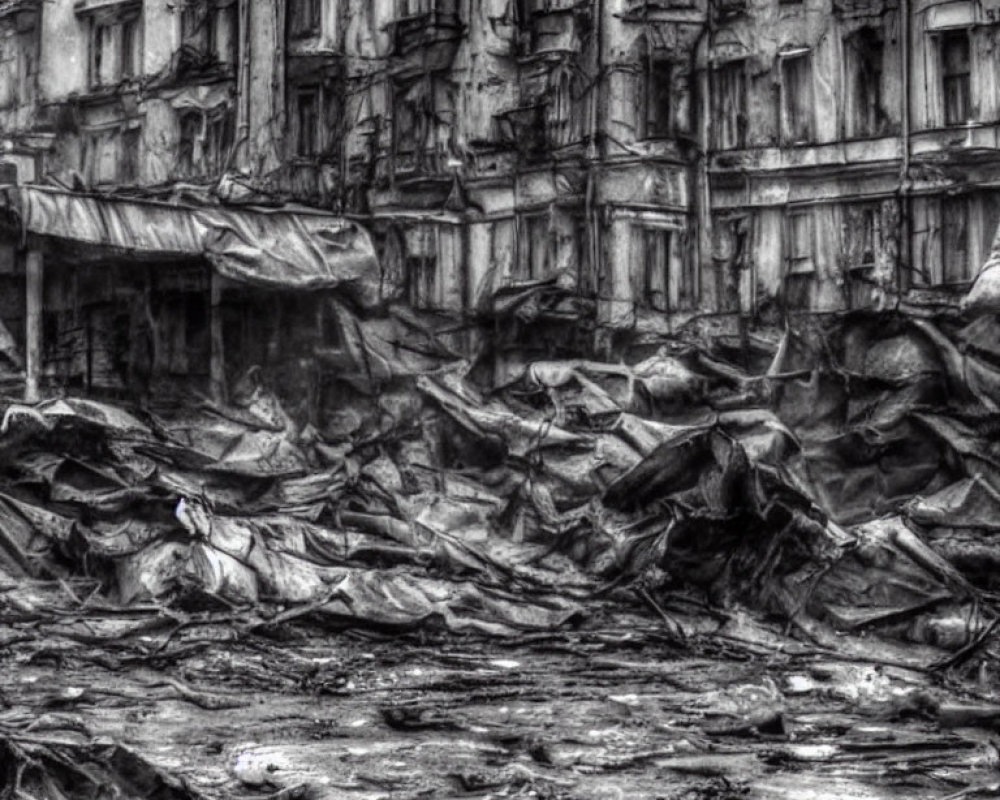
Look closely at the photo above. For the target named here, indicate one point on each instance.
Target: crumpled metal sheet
(278, 249)
(822, 488)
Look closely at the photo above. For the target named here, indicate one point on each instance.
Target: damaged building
(560, 177)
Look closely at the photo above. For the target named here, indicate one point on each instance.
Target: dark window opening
(305, 17)
(730, 96)
(130, 48)
(307, 116)
(956, 76)
(796, 98)
(130, 155)
(865, 51)
(189, 135)
(654, 107)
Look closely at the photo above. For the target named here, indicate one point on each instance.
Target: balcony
(664, 10)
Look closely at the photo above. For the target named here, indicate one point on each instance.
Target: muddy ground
(102, 703)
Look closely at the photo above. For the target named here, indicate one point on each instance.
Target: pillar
(34, 281)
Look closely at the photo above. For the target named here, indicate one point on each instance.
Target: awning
(273, 248)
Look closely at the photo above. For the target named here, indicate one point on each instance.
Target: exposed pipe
(905, 225)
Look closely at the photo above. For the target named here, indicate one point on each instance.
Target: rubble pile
(840, 477)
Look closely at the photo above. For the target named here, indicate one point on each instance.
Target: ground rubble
(748, 567)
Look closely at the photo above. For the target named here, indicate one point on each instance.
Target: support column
(33, 287)
(217, 358)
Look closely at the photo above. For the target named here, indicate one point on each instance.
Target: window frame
(961, 78)
(313, 130)
(803, 117)
(796, 263)
(948, 205)
(731, 110)
(305, 24)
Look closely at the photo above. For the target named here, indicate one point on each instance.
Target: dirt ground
(100, 703)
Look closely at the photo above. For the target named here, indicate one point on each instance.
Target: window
(799, 237)
(533, 247)
(729, 94)
(196, 23)
(796, 104)
(655, 257)
(189, 143)
(870, 236)
(307, 121)
(115, 49)
(956, 73)
(654, 101)
(220, 140)
(955, 239)
(209, 26)
(305, 17)
(421, 266)
(130, 155)
(864, 52)
(130, 48)
(662, 278)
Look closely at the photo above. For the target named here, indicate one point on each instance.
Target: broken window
(307, 122)
(956, 74)
(533, 247)
(799, 242)
(305, 17)
(796, 97)
(955, 239)
(864, 51)
(729, 94)
(654, 100)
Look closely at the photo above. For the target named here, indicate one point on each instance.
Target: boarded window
(796, 98)
(956, 74)
(864, 52)
(533, 247)
(654, 102)
(304, 17)
(955, 239)
(729, 94)
(799, 243)
(307, 122)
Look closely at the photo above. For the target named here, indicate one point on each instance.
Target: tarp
(282, 248)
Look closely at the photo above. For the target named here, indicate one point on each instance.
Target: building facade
(605, 170)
